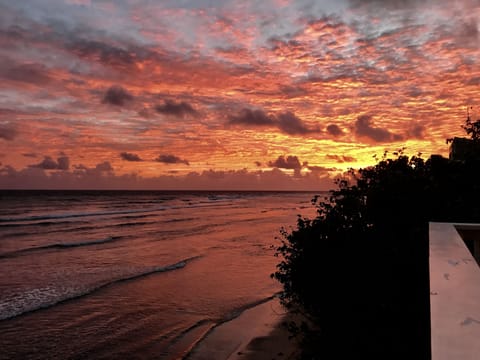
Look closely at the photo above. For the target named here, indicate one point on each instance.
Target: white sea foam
(18, 303)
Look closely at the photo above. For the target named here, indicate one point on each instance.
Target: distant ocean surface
(98, 275)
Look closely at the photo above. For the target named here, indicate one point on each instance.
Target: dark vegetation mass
(359, 271)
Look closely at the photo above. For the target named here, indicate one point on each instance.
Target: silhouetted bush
(359, 270)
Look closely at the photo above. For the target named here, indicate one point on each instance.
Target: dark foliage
(359, 270)
(472, 128)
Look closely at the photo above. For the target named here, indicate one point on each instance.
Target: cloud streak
(364, 128)
(117, 95)
(178, 109)
(48, 163)
(286, 122)
(130, 157)
(171, 159)
(289, 162)
(341, 158)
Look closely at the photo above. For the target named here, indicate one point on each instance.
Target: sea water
(133, 274)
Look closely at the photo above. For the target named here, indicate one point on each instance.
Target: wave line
(59, 246)
(41, 300)
(233, 315)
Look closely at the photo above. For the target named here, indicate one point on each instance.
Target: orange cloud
(232, 84)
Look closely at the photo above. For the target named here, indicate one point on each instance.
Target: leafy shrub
(358, 272)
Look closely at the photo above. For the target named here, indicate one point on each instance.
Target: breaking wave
(48, 296)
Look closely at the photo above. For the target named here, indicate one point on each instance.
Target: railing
(454, 291)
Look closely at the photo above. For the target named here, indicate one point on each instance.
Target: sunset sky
(207, 94)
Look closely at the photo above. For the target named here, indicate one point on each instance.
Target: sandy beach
(258, 333)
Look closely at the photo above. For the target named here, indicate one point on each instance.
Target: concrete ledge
(454, 294)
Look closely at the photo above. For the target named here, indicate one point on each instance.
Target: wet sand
(256, 334)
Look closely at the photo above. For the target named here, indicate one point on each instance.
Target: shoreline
(258, 333)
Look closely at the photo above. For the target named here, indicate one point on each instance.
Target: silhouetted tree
(472, 128)
(359, 270)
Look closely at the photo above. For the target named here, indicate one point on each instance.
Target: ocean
(101, 275)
